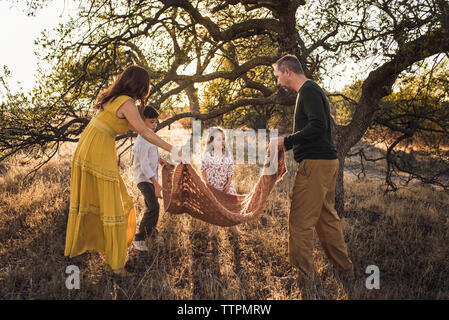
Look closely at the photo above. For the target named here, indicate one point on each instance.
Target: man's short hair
(150, 113)
(290, 62)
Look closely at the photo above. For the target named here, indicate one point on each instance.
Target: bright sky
(19, 31)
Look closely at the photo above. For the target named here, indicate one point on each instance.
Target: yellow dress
(102, 215)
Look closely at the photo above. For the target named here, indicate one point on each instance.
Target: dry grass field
(404, 233)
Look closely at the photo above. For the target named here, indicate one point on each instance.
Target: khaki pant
(312, 205)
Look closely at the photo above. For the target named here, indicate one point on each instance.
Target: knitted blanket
(184, 191)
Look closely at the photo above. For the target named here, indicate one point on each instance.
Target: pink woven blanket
(186, 192)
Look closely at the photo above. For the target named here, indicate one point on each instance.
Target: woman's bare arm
(131, 113)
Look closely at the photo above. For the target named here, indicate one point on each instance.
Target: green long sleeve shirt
(311, 138)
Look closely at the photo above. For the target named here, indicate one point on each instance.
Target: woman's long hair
(134, 81)
(210, 139)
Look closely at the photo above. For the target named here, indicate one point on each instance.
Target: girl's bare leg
(235, 230)
(213, 230)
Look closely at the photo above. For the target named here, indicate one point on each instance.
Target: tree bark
(376, 86)
(194, 103)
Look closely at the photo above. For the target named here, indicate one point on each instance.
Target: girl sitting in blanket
(217, 167)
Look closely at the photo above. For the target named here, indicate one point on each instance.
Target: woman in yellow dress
(101, 215)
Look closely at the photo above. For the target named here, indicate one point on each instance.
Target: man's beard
(284, 89)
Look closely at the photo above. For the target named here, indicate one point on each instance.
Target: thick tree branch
(256, 25)
(380, 81)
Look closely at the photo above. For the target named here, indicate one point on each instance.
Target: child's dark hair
(150, 113)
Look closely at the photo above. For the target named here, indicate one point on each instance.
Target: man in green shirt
(313, 196)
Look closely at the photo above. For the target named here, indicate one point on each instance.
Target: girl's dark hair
(150, 113)
(134, 81)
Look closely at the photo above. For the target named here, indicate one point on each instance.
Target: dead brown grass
(404, 234)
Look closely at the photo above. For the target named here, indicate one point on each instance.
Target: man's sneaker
(140, 245)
